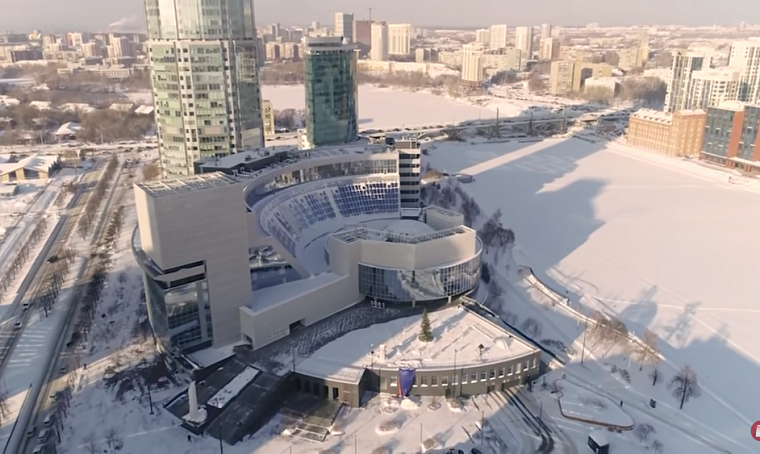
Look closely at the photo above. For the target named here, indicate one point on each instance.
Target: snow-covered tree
(685, 385)
(426, 332)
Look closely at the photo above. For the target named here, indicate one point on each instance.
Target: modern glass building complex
(258, 244)
(204, 79)
(331, 91)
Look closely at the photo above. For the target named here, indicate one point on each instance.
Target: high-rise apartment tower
(331, 91)
(204, 80)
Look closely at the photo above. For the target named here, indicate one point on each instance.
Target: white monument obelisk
(192, 399)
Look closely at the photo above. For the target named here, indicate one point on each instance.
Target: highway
(39, 403)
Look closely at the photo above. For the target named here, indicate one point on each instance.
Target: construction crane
(370, 13)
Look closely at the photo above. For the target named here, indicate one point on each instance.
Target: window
(511, 370)
(518, 368)
(473, 377)
(423, 381)
(492, 374)
(393, 382)
(444, 381)
(501, 372)
(535, 362)
(414, 383)
(482, 375)
(464, 378)
(433, 381)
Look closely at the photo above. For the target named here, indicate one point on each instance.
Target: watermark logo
(756, 431)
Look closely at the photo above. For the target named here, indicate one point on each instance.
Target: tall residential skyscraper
(546, 31)
(331, 91)
(745, 55)
(644, 39)
(549, 49)
(498, 37)
(472, 64)
(483, 36)
(679, 81)
(204, 80)
(344, 26)
(399, 39)
(524, 42)
(713, 87)
(363, 32)
(379, 47)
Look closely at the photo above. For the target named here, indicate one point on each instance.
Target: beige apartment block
(672, 134)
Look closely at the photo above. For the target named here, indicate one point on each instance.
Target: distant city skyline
(96, 15)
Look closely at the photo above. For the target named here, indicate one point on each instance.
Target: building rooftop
(458, 334)
(186, 184)
(438, 210)
(364, 233)
(409, 227)
(663, 117)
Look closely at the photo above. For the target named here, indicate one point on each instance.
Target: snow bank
(233, 388)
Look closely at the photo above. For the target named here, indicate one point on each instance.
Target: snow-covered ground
(641, 237)
(394, 108)
(396, 344)
(18, 217)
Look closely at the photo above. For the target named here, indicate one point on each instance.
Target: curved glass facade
(419, 285)
(320, 172)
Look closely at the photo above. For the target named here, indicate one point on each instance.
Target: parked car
(18, 325)
(42, 437)
(30, 432)
(39, 449)
(49, 420)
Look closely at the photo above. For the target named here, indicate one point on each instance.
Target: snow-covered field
(394, 108)
(663, 244)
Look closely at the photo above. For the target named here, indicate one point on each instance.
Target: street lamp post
(455, 369)
(583, 347)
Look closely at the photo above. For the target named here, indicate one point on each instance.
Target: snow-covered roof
(74, 106)
(8, 101)
(68, 129)
(40, 105)
(396, 344)
(144, 110)
(269, 297)
(121, 106)
(35, 162)
(233, 388)
(600, 437)
(409, 227)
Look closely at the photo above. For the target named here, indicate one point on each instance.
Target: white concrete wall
(271, 324)
(429, 254)
(443, 221)
(205, 225)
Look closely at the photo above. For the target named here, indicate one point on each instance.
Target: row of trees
(608, 331)
(104, 125)
(23, 254)
(45, 298)
(87, 219)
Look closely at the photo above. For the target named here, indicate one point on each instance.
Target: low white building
(609, 85)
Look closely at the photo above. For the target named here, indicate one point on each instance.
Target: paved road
(39, 401)
(35, 277)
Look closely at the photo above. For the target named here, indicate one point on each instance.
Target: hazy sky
(58, 15)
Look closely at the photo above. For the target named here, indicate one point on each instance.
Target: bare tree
(647, 350)
(643, 431)
(91, 446)
(112, 437)
(151, 171)
(4, 407)
(510, 318)
(684, 385)
(494, 289)
(531, 327)
(654, 375)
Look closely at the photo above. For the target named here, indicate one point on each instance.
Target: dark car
(52, 259)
